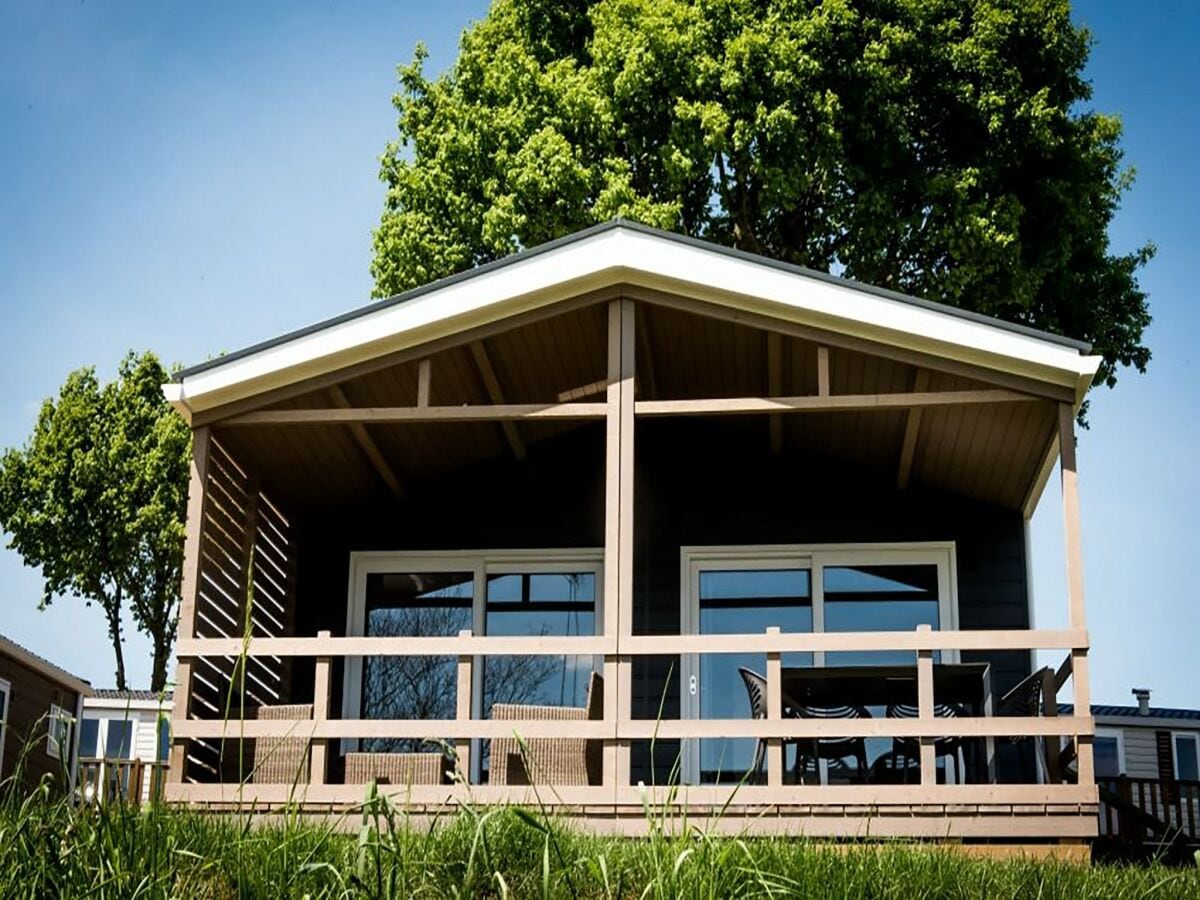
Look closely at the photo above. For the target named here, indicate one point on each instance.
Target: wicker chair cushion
(552, 761)
(394, 768)
(282, 760)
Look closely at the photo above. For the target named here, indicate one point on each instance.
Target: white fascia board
(625, 256)
(116, 704)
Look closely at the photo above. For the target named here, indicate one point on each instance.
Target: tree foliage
(97, 499)
(943, 148)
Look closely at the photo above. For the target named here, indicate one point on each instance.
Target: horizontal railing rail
(637, 645)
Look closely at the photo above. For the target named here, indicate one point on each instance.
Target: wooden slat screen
(246, 581)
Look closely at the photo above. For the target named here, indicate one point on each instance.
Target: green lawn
(49, 849)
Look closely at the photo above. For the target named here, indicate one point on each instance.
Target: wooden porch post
(1076, 617)
(197, 497)
(618, 532)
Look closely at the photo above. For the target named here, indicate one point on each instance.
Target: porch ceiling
(995, 452)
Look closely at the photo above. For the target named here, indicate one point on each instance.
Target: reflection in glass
(1105, 751)
(89, 739)
(536, 604)
(412, 687)
(1187, 764)
(878, 598)
(743, 602)
(118, 743)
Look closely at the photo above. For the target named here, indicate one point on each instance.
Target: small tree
(97, 499)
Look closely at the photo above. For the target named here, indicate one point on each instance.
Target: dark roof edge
(37, 661)
(565, 240)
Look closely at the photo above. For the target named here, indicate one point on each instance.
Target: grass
(52, 848)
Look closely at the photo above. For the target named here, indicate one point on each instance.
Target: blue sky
(191, 178)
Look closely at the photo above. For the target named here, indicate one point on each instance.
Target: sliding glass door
(745, 590)
(527, 593)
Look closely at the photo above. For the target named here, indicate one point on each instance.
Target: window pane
(744, 601)
(879, 598)
(536, 604)
(164, 738)
(89, 738)
(1187, 766)
(1107, 758)
(119, 742)
(3, 704)
(416, 687)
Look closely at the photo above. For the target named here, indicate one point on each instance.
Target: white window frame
(481, 563)
(1117, 734)
(54, 748)
(815, 558)
(6, 689)
(1194, 737)
(102, 719)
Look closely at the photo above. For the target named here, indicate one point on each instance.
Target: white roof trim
(631, 255)
(117, 703)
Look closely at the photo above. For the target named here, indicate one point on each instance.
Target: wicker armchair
(282, 760)
(552, 761)
(394, 768)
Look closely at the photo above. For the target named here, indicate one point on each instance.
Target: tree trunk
(112, 610)
(162, 656)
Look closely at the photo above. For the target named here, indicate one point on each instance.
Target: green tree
(940, 147)
(97, 499)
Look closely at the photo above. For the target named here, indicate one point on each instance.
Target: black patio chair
(756, 691)
(909, 748)
(832, 749)
(1025, 699)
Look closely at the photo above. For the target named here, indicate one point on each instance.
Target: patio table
(966, 684)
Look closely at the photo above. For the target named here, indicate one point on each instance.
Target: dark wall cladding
(698, 483)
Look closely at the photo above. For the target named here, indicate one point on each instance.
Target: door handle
(692, 685)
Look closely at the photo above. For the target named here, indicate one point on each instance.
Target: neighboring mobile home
(1147, 759)
(39, 704)
(124, 739)
(666, 510)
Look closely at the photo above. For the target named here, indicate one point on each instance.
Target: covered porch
(696, 551)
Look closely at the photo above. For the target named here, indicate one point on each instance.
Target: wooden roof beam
(492, 385)
(834, 403)
(368, 446)
(912, 429)
(396, 415)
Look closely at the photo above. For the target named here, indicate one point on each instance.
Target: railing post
(925, 710)
(320, 746)
(462, 710)
(775, 758)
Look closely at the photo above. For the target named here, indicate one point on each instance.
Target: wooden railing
(1175, 804)
(617, 729)
(131, 781)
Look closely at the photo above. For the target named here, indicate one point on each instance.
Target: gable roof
(43, 666)
(621, 252)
